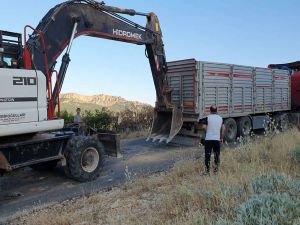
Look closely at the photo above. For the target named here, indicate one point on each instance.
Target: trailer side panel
(236, 90)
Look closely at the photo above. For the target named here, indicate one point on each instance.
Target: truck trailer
(247, 97)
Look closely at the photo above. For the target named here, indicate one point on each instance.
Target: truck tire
(244, 126)
(44, 166)
(281, 122)
(84, 158)
(231, 130)
(284, 122)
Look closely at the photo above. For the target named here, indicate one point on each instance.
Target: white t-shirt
(77, 119)
(213, 130)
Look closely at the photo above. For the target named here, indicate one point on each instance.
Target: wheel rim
(284, 123)
(230, 132)
(246, 128)
(89, 159)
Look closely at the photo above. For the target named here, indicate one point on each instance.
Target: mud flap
(166, 125)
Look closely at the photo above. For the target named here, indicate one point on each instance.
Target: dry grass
(181, 196)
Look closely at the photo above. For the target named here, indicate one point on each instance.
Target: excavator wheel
(84, 158)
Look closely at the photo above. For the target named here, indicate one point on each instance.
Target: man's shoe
(206, 173)
(216, 171)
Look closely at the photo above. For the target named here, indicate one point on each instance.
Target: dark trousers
(209, 146)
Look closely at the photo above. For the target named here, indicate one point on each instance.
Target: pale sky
(256, 33)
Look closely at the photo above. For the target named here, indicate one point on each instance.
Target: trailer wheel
(44, 166)
(244, 126)
(84, 158)
(284, 122)
(231, 130)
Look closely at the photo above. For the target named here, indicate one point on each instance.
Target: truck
(248, 98)
(30, 132)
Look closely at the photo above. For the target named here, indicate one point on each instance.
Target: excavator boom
(75, 18)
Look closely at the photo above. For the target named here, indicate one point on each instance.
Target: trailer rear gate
(236, 90)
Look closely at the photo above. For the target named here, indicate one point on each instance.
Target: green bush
(265, 209)
(223, 222)
(98, 119)
(295, 155)
(275, 200)
(124, 121)
(271, 183)
(68, 117)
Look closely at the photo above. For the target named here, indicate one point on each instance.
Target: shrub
(272, 183)
(125, 121)
(295, 155)
(129, 120)
(275, 200)
(222, 222)
(98, 119)
(68, 117)
(265, 209)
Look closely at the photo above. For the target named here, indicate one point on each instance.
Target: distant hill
(70, 101)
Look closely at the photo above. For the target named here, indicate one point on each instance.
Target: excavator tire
(44, 166)
(84, 158)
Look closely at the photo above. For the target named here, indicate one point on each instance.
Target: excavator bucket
(166, 125)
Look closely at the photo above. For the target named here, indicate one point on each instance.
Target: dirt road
(27, 189)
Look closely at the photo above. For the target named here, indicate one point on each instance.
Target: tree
(68, 117)
(127, 120)
(98, 119)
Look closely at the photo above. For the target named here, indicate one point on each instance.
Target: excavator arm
(74, 18)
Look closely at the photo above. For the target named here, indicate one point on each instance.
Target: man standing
(215, 131)
(77, 117)
(80, 127)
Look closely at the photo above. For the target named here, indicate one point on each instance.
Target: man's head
(213, 109)
(78, 110)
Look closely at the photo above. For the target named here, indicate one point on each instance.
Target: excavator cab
(10, 49)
